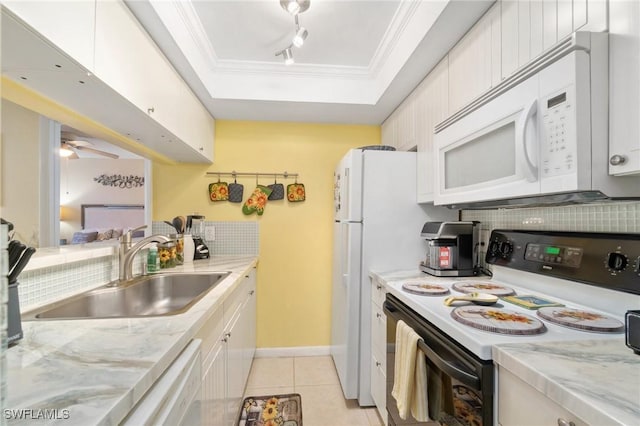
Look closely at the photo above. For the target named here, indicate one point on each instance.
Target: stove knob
(617, 261)
(506, 248)
(494, 246)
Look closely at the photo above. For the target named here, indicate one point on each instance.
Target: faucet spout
(128, 252)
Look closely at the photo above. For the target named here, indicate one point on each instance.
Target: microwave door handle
(530, 169)
(451, 370)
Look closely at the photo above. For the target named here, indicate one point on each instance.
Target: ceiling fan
(69, 146)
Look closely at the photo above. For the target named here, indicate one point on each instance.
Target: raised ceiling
(360, 60)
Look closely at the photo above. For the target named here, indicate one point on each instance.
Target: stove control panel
(602, 259)
(553, 254)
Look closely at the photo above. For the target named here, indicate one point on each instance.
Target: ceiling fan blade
(73, 156)
(97, 151)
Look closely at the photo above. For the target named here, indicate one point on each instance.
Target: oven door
(491, 153)
(459, 385)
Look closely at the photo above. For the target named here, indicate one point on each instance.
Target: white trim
(293, 351)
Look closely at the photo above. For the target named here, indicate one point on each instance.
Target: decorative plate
(498, 320)
(581, 319)
(482, 287)
(424, 288)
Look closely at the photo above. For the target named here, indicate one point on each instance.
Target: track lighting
(294, 7)
(287, 54)
(301, 35)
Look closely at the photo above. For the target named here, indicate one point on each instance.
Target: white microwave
(539, 137)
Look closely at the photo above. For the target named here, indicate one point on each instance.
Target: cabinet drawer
(234, 302)
(378, 292)
(210, 333)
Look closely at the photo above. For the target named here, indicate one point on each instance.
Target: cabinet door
(213, 370)
(520, 404)
(249, 314)
(234, 363)
(213, 399)
(510, 36)
(70, 25)
(432, 108)
(389, 131)
(624, 87)
(405, 129)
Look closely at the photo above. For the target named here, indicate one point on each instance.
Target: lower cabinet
(520, 404)
(229, 343)
(379, 349)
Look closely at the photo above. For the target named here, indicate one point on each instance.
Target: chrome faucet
(127, 252)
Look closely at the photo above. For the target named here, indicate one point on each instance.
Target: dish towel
(409, 383)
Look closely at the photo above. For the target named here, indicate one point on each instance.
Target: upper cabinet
(398, 130)
(624, 88)
(70, 25)
(431, 108)
(140, 94)
(127, 59)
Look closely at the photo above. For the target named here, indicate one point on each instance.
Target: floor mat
(272, 410)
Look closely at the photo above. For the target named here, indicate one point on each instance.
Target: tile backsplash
(623, 217)
(45, 285)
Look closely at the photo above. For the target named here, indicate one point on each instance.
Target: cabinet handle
(251, 292)
(563, 422)
(379, 287)
(227, 335)
(617, 160)
(246, 276)
(201, 149)
(151, 110)
(378, 315)
(224, 339)
(378, 364)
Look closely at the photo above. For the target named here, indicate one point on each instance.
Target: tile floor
(316, 380)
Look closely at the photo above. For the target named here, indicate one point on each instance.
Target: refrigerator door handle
(346, 264)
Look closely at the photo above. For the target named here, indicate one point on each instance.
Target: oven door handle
(451, 370)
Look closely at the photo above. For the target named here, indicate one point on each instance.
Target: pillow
(104, 235)
(116, 233)
(84, 237)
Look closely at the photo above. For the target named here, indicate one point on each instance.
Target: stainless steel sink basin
(154, 295)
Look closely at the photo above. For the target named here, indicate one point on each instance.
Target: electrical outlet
(210, 233)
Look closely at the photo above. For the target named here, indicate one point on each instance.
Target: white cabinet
(127, 59)
(94, 58)
(624, 88)
(398, 130)
(431, 107)
(520, 404)
(471, 63)
(229, 343)
(69, 25)
(378, 349)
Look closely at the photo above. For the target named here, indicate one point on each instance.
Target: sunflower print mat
(272, 410)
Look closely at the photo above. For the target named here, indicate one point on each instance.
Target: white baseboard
(293, 351)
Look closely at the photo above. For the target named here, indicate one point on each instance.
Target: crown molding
(391, 37)
(193, 25)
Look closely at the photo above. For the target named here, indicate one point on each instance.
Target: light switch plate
(210, 233)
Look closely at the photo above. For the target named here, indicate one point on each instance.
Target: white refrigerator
(377, 225)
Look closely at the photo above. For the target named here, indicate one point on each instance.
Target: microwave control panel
(558, 147)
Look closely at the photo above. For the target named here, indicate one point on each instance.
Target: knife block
(14, 323)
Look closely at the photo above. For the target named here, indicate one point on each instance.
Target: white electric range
(596, 277)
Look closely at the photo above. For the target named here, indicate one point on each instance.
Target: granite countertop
(597, 380)
(99, 369)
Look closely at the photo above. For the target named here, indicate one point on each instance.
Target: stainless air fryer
(450, 248)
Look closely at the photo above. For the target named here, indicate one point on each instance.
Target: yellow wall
(294, 274)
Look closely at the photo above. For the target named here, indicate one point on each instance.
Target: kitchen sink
(153, 295)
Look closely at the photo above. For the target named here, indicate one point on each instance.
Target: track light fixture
(301, 35)
(287, 54)
(294, 7)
